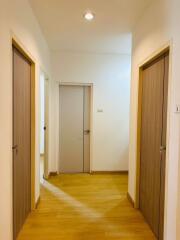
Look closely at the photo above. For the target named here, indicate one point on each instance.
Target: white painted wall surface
(42, 113)
(110, 75)
(15, 17)
(178, 207)
(158, 26)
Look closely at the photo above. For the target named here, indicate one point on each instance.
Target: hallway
(84, 206)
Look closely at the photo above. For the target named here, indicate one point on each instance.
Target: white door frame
(46, 123)
(91, 114)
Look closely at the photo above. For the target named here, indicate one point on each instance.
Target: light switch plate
(100, 110)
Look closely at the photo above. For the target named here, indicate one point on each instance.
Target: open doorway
(44, 86)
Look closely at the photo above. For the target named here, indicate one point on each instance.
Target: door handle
(162, 148)
(15, 147)
(86, 131)
(44, 128)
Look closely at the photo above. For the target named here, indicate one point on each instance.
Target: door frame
(46, 123)
(154, 56)
(17, 44)
(91, 116)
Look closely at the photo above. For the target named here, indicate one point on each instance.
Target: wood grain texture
(153, 136)
(52, 174)
(163, 143)
(138, 146)
(22, 140)
(152, 102)
(38, 201)
(33, 134)
(110, 172)
(85, 207)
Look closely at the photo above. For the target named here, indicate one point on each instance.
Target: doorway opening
(151, 147)
(75, 128)
(44, 126)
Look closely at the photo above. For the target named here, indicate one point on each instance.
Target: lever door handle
(14, 147)
(162, 148)
(86, 131)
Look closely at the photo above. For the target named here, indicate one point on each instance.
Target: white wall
(42, 113)
(158, 26)
(178, 209)
(110, 75)
(15, 17)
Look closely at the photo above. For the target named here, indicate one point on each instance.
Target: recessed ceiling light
(89, 16)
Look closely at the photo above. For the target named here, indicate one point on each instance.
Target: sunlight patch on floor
(84, 206)
(81, 208)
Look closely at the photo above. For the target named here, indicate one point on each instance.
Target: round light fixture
(89, 16)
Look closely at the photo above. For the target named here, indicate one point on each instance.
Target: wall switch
(100, 110)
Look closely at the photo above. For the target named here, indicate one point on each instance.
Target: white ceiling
(65, 28)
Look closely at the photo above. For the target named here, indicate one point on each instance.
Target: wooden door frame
(17, 44)
(91, 115)
(154, 56)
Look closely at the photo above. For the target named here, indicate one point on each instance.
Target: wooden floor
(85, 207)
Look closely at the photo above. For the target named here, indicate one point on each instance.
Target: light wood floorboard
(85, 207)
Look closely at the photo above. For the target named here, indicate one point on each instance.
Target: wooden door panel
(151, 167)
(21, 139)
(163, 154)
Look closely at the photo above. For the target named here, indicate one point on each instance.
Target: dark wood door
(21, 140)
(153, 143)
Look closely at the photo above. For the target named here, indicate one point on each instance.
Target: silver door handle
(15, 147)
(162, 148)
(86, 131)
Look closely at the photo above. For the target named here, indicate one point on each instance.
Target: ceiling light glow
(89, 16)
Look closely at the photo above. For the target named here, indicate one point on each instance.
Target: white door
(74, 129)
(46, 128)
(87, 105)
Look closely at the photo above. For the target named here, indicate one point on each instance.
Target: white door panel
(87, 103)
(74, 120)
(71, 129)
